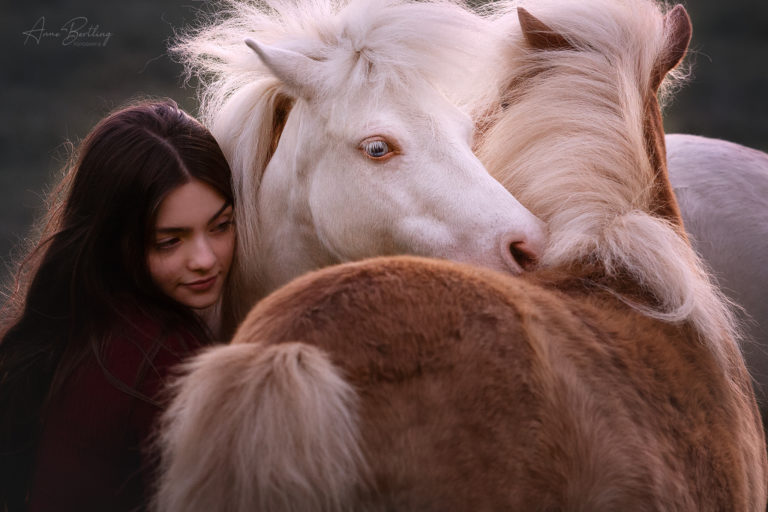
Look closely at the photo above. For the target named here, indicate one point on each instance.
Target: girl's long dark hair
(88, 268)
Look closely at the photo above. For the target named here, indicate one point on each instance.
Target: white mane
(365, 44)
(570, 146)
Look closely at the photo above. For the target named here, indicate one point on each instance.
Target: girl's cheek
(162, 268)
(226, 249)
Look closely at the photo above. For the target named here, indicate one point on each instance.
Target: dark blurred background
(54, 89)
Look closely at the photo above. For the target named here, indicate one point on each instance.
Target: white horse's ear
(297, 71)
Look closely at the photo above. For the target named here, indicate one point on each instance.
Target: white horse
(722, 190)
(344, 141)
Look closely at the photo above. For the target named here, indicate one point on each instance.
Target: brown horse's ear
(677, 34)
(538, 35)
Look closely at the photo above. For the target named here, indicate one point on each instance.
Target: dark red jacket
(93, 451)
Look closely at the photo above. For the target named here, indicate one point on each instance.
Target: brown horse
(609, 381)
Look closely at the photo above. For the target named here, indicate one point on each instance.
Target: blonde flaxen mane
(570, 144)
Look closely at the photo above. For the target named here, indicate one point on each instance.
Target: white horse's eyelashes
(378, 148)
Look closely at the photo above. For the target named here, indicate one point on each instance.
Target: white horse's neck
(291, 248)
(289, 244)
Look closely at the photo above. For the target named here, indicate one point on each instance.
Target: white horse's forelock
(570, 146)
(365, 44)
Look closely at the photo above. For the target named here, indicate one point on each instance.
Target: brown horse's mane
(591, 160)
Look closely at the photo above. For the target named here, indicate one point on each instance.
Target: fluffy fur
(298, 423)
(475, 391)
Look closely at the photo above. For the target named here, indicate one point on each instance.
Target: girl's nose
(202, 257)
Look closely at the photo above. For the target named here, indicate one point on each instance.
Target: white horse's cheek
(339, 215)
(423, 236)
(363, 217)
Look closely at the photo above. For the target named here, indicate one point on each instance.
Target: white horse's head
(360, 172)
(364, 149)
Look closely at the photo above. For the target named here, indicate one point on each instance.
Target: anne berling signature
(75, 32)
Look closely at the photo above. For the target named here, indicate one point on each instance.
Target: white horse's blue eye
(376, 148)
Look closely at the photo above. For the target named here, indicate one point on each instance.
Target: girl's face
(194, 240)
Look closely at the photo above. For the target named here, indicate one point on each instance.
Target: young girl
(136, 246)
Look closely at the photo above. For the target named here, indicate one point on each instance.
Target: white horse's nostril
(519, 254)
(523, 255)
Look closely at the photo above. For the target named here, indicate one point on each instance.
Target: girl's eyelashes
(221, 226)
(166, 243)
(224, 225)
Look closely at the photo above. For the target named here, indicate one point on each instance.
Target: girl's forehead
(191, 204)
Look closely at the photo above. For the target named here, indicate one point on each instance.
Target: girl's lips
(203, 285)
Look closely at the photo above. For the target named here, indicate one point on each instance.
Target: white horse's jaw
(513, 247)
(491, 227)
(474, 220)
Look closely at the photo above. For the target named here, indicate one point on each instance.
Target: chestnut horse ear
(538, 35)
(677, 35)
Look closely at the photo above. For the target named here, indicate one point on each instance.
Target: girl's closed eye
(224, 225)
(166, 243)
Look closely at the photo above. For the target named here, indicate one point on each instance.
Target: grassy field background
(53, 90)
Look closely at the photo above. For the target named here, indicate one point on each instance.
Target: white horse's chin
(497, 264)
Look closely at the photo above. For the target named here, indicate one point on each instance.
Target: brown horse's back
(480, 391)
